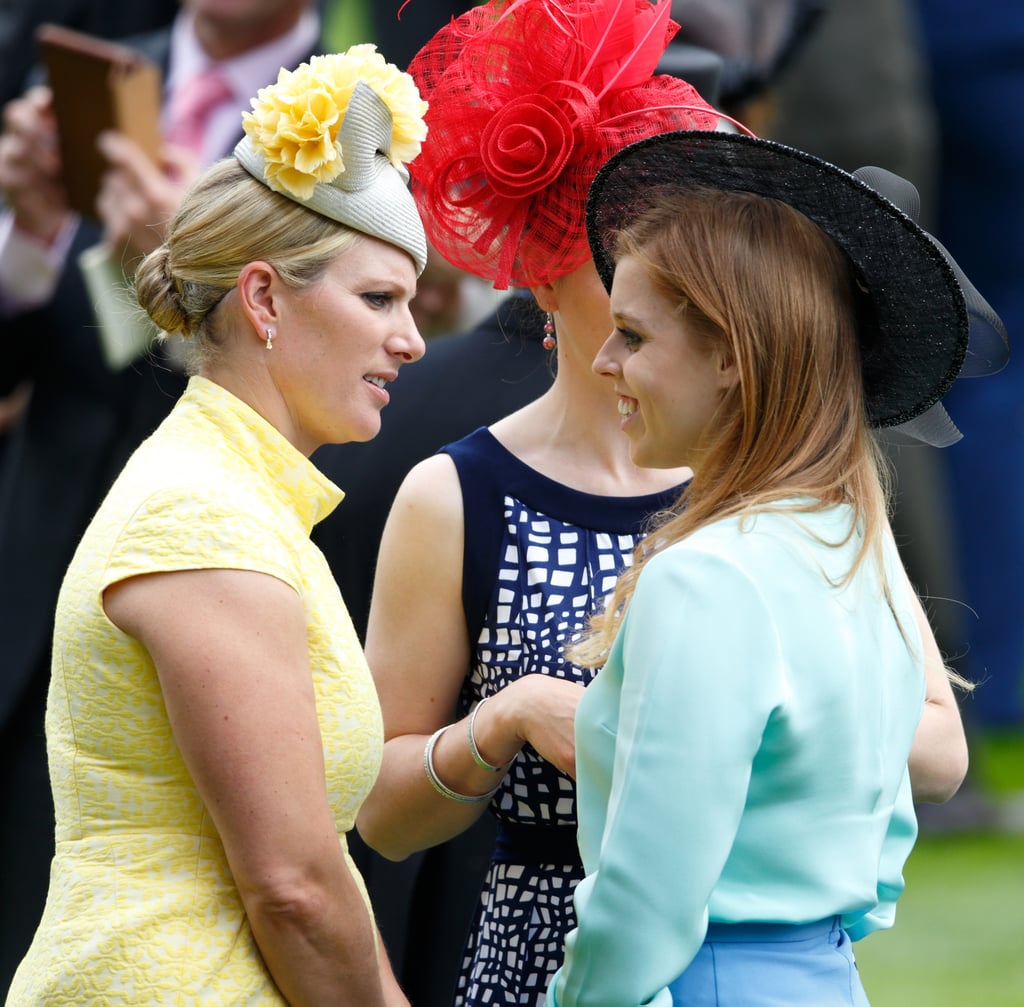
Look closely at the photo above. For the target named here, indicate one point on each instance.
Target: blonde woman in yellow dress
(212, 725)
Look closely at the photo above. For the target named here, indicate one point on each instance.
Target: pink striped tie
(191, 106)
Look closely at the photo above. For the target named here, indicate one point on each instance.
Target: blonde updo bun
(226, 220)
(158, 294)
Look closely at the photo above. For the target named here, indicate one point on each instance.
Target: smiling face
(341, 341)
(668, 381)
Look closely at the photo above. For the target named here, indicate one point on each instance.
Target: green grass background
(958, 940)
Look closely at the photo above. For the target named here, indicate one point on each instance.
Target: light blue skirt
(772, 965)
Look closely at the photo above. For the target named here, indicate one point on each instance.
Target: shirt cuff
(29, 269)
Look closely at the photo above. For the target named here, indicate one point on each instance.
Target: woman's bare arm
(419, 653)
(230, 648)
(938, 756)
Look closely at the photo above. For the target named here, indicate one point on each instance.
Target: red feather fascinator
(527, 99)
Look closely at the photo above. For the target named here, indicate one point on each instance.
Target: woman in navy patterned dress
(497, 548)
(538, 557)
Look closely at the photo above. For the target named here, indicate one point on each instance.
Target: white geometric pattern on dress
(551, 576)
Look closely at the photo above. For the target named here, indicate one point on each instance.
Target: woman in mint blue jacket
(745, 807)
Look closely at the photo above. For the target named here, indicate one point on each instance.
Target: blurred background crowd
(924, 88)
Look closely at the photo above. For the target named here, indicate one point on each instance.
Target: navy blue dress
(539, 557)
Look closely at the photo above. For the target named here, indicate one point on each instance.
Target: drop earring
(270, 337)
(549, 342)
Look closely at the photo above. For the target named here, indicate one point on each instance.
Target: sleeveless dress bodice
(539, 557)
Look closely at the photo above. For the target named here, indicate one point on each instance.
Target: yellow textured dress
(142, 908)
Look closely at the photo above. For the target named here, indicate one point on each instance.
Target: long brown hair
(775, 295)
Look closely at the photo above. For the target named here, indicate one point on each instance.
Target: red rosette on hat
(527, 99)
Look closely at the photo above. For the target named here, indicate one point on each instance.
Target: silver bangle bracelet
(474, 751)
(435, 780)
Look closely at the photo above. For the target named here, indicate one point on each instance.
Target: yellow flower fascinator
(334, 134)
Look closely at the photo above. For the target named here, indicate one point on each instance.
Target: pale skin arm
(231, 653)
(418, 651)
(938, 757)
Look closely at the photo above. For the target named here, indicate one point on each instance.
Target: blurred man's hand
(138, 198)
(30, 165)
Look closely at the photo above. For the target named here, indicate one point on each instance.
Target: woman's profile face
(668, 383)
(342, 341)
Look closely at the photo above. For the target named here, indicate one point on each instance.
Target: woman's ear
(728, 372)
(258, 293)
(546, 297)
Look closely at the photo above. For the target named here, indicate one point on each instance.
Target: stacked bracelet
(436, 782)
(474, 751)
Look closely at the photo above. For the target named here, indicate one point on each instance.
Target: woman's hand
(418, 651)
(538, 710)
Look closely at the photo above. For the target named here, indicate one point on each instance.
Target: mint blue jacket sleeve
(900, 838)
(690, 685)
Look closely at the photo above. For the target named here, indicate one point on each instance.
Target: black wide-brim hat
(924, 323)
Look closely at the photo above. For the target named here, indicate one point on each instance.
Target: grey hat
(371, 194)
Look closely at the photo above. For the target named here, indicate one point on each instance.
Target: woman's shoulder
(767, 538)
(431, 480)
(175, 506)
(480, 444)
(428, 506)
(166, 473)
